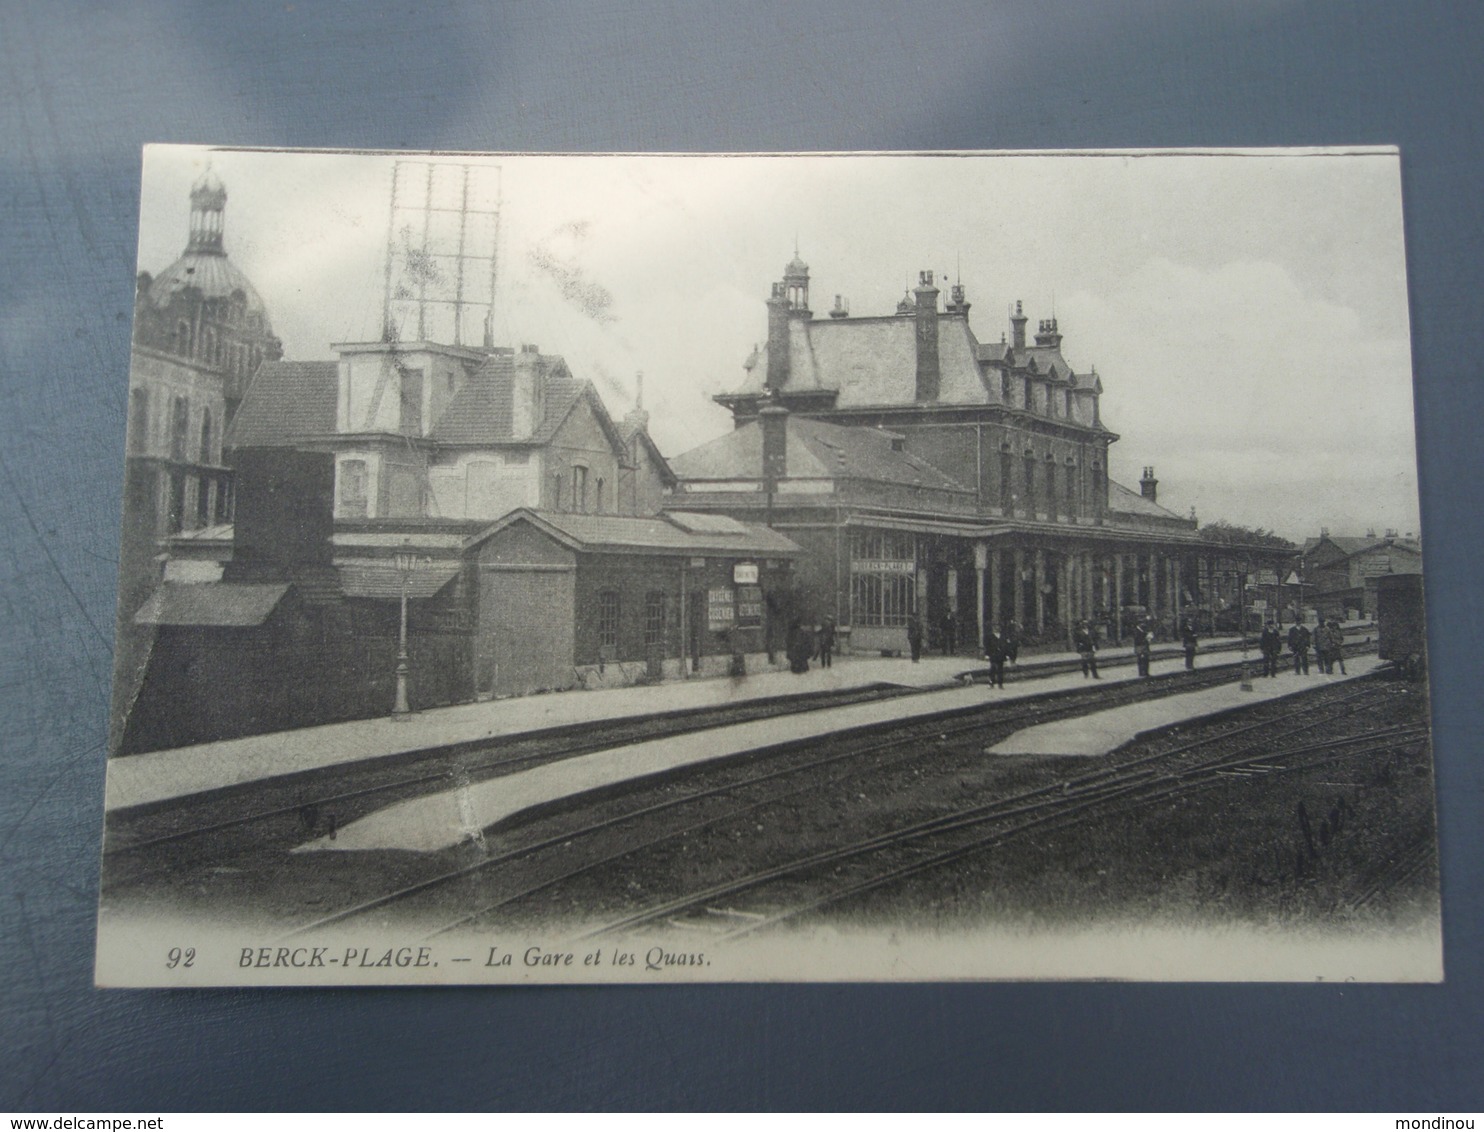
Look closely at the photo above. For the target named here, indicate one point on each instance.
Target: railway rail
(701, 807)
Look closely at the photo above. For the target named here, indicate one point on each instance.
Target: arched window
(1007, 472)
(206, 437)
(579, 488)
(210, 348)
(180, 423)
(556, 492)
(1030, 481)
(182, 343)
(1071, 487)
(139, 420)
(602, 500)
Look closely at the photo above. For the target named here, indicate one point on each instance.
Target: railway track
(898, 854)
(219, 825)
(611, 837)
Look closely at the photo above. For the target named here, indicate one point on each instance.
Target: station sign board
(721, 608)
(745, 573)
(749, 607)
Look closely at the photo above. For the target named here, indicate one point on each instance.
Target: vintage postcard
(544, 568)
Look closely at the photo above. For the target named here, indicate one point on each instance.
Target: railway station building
(928, 473)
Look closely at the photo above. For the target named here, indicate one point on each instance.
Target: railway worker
(1337, 647)
(826, 641)
(1298, 644)
(995, 651)
(1143, 640)
(914, 637)
(1086, 644)
(1270, 644)
(1187, 641)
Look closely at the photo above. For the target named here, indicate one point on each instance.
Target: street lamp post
(1242, 619)
(406, 563)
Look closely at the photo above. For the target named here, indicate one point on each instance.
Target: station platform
(159, 776)
(1103, 732)
(447, 818)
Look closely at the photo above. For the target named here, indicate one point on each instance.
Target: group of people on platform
(1002, 646)
(1327, 640)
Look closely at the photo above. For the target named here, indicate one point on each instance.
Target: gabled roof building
(929, 474)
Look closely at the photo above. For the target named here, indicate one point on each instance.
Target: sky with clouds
(1247, 313)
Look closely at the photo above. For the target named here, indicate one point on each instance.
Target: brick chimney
(526, 409)
(773, 421)
(1149, 486)
(926, 317)
(958, 302)
(779, 363)
(1047, 333)
(637, 418)
(1017, 327)
(840, 309)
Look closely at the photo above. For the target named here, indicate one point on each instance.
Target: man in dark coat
(1187, 640)
(1012, 642)
(1143, 638)
(1270, 644)
(914, 637)
(826, 641)
(1298, 644)
(800, 645)
(1086, 645)
(995, 653)
(950, 634)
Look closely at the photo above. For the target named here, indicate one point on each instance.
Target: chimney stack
(926, 316)
(526, 409)
(637, 418)
(1017, 327)
(1149, 486)
(957, 302)
(778, 355)
(840, 309)
(1047, 333)
(773, 421)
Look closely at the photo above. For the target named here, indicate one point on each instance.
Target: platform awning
(381, 580)
(211, 604)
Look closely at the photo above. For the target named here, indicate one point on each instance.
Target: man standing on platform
(1187, 639)
(1087, 648)
(1142, 642)
(994, 652)
(1298, 644)
(914, 637)
(826, 641)
(1270, 644)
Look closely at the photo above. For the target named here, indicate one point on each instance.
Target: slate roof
(663, 534)
(210, 272)
(814, 449)
(873, 361)
(216, 604)
(285, 403)
(482, 411)
(1129, 502)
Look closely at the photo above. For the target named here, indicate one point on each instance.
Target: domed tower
(796, 284)
(203, 311)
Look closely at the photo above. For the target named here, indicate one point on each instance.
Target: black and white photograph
(769, 567)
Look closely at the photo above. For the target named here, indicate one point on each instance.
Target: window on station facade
(1051, 496)
(608, 619)
(176, 517)
(1071, 487)
(579, 488)
(601, 499)
(180, 423)
(206, 436)
(353, 501)
(1097, 488)
(182, 343)
(556, 491)
(139, 419)
(654, 619)
(1007, 473)
(203, 502)
(1005, 385)
(1068, 396)
(1030, 481)
(883, 568)
(410, 420)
